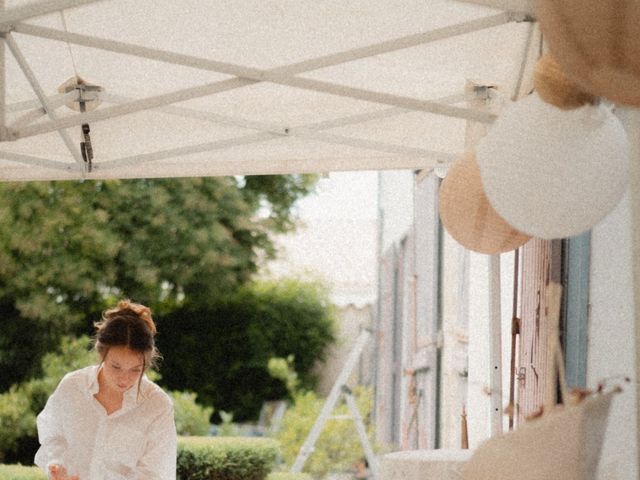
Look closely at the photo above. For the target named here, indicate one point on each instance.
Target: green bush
(16, 420)
(231, 341)
(225, 458)
(20, 405)
(202, 458)
(288, 476)
(20, 472)
(338, 448)
(191, 418)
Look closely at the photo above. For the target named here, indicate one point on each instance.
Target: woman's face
(122, 367)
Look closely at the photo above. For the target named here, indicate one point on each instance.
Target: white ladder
(341, 389)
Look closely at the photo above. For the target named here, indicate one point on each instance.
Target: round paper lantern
(467, 215)
(554, 173)
(597, 42)
(554, 87)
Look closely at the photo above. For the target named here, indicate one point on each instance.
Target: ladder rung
(341, 417)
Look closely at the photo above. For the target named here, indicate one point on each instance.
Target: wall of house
(417, 298)
(395, 190)
(611, 337)
(466, 341)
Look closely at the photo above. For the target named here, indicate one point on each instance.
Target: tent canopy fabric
(192, 88)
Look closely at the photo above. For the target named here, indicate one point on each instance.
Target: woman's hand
(58, 472)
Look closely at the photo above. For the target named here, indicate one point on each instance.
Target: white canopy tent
(197, 88)
(194, 88)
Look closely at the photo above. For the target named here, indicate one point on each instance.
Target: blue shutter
(576, 280)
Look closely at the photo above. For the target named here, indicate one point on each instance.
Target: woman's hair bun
(143, 312)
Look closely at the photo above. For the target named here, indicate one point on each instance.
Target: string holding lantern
(597, 43)
(468, 216)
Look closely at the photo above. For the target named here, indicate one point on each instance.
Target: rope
(73, 60)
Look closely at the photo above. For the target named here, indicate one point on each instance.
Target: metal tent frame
(387, 155)
(357, 115)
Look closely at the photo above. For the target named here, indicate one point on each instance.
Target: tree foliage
(223, 351)
(68, 248)
(338, 447)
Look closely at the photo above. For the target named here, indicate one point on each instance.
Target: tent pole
(24, 12)
(35, 85)
(633, 131)
(495, 345)
(248, 76)
(3, 89)
(276, 74)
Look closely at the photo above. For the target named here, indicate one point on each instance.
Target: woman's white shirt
(136, 442)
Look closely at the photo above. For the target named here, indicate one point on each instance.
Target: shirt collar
(93, 385)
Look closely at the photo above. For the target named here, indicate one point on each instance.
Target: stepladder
(341, 391)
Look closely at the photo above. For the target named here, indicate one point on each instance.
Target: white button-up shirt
(136, 442)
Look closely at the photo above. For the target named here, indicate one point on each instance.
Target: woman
(109, 421)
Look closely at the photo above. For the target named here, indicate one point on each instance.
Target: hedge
(201, 458)
(288, 476)
(225, 458)
(21, 472)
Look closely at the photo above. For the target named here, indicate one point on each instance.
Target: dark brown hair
(128, 325)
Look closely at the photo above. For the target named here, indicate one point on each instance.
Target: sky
(336, 238)
(351, 195)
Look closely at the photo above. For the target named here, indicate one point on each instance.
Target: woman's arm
(53, 447)
(158, 461)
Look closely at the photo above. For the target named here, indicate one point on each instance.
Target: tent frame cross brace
(286, 75)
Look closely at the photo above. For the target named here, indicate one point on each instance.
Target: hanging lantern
(555, 88)
(467, 215)
(554, 173)
(597, 42)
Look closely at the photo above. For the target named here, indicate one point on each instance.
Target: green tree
(222, 351)
(67, 249)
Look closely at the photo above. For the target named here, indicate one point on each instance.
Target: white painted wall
(611, 337)
(396, 202)
(477, 394)
(396, 197)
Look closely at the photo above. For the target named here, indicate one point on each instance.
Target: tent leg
(633, 131)
(3, 76)
(495, 345)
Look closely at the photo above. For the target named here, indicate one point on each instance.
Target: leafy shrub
(203, 458)
(231, 341)
(20, 472)
(226, 427)
(191, 418)
(16, 420)
(20, 405)
(284, 370)
(225, 458)
(288, 476)
(338, 448)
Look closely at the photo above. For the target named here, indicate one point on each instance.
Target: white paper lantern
(554, 173)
